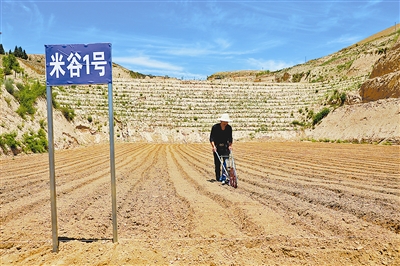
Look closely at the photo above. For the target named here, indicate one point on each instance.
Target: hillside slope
(384, 81)
(378, 118)
(264, 106)
(375, 121)
(351, 63)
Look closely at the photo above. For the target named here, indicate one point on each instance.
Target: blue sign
(78, 64)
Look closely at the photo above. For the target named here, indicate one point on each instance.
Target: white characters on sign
(74, 66)
(76, 62)
(57, 63)
(99, 65)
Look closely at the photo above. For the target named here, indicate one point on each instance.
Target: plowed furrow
(67, 179)
(298, 167)
(159, 214)
(334, 195)
(25, 164)
(236, 215)
(242, 213)
(344, 196)
(42, 182)
(363, 205)
(323, 179)
(326, 155)
(129, 181)
(296, 203)
(92, 209)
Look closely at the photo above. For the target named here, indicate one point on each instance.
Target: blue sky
(194, 39)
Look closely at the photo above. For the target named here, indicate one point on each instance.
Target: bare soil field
(297, 203)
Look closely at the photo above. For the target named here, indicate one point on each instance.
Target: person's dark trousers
(217, 164)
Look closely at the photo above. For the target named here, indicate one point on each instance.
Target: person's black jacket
(221, 138)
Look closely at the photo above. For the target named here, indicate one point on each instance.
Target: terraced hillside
(191, 107)
(262, 104)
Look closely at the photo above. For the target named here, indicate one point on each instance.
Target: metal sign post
(78, 64)
(53, 193)
(112, 163)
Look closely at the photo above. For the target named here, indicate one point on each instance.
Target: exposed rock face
(384, 81)
(376, 121)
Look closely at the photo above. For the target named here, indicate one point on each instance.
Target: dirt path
(296, 204)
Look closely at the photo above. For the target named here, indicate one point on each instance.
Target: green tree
(1, 76)
(24, 55)
(2, 49)
(10, 63)
(18, 52)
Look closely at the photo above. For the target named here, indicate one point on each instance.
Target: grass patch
(9, 140)
(68, 113)
(35, 142)
(320, 115)
(26, 95)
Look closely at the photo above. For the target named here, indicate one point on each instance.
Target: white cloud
(198, 49)
(346, 40)
(271, 65)
(27, 9)
(188, 51)
(222, 43)
(373, 2)
(145, 61)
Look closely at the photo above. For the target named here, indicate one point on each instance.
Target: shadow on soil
(86, 240)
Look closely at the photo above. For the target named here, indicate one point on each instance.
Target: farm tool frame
(228, 169)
